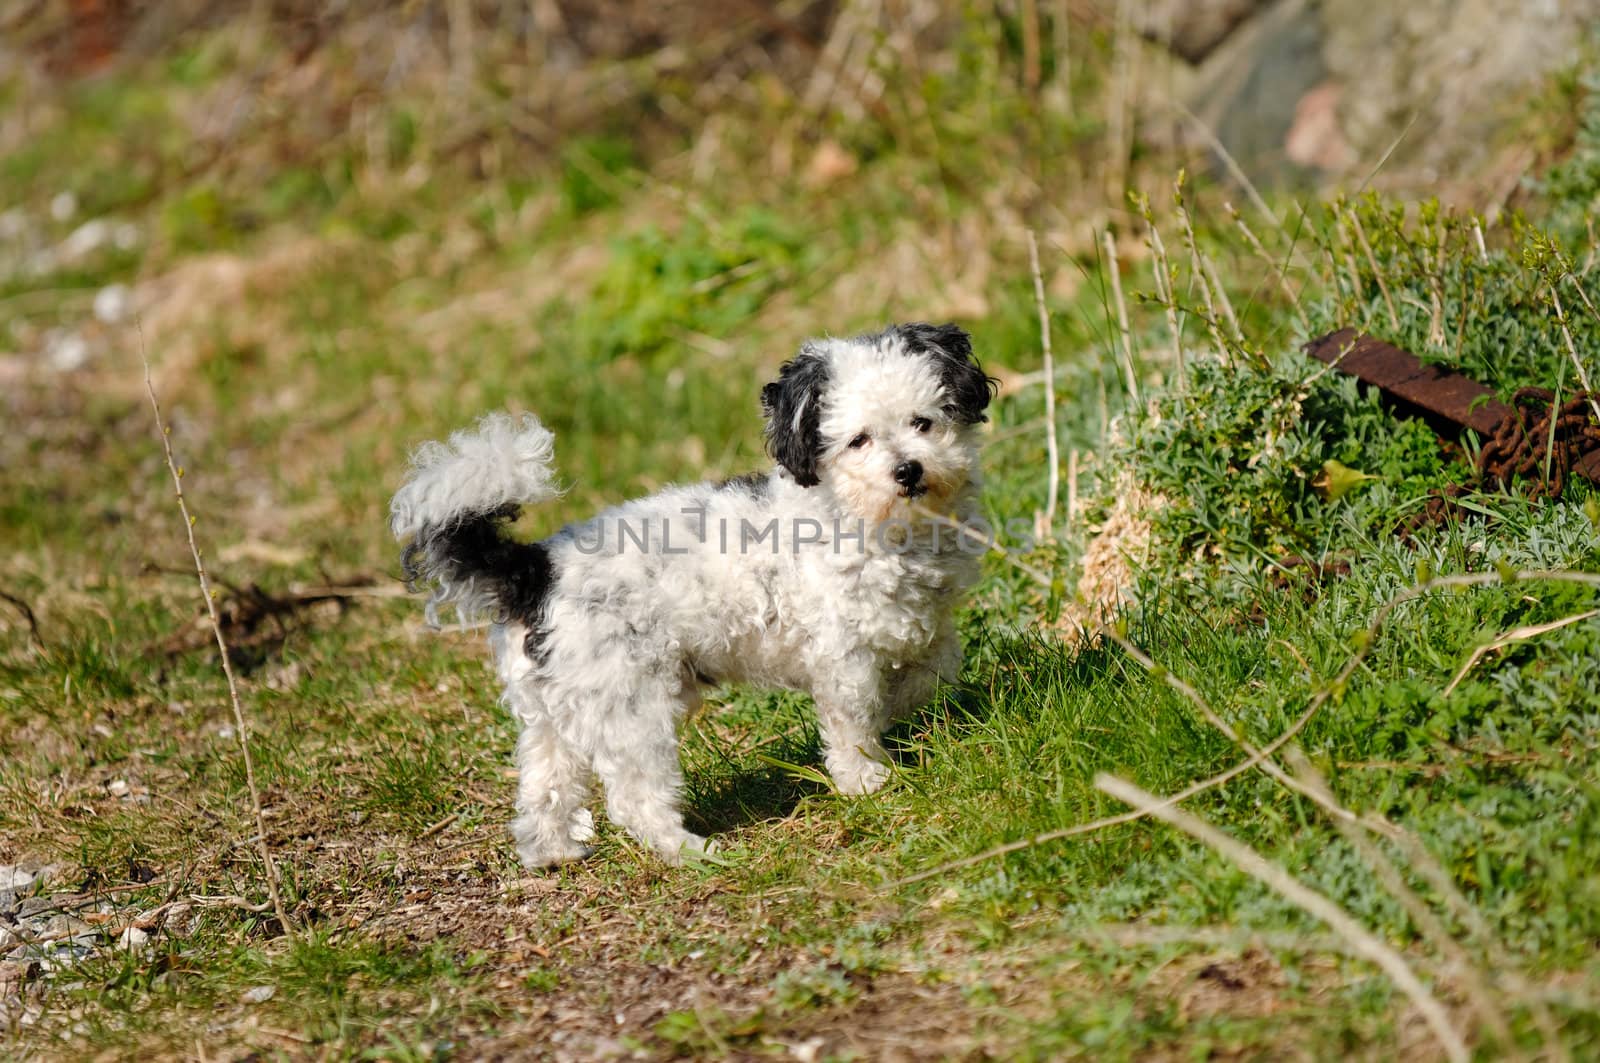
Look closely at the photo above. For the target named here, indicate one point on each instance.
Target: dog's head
(884, 419)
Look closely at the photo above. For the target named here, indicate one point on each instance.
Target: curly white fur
(502, 461)
(607, 631)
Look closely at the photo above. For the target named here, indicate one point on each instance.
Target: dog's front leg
(911, 686)
(849, 707)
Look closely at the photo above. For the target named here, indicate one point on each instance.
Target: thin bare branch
(1272, 264)
(1164, 292)
(1047, 519)
(1354, 829)
(1572, 350)
(1510, 638)
(1363, 941)
(241, 728)
(1363, 642)
(1372, 260)
(1113, 268)
(1199, 272)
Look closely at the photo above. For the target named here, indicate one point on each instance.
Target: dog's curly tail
(451, 511)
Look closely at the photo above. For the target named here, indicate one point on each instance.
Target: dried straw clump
(1106, 582)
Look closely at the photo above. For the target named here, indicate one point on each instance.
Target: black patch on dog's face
(967, 390)
(793, 408)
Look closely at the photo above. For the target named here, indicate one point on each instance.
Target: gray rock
(31, 906)
(1247, 93)
(1306, 87)
(1452, 71)
(55, 955)
(64, 924)
(1194, 28)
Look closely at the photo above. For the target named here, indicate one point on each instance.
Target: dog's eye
(860, 441)
(921, 424)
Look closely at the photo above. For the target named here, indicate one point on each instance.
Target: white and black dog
(835, 573)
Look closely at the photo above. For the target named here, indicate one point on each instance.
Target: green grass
(638, 312)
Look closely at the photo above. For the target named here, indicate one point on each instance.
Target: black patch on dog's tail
(478, 567)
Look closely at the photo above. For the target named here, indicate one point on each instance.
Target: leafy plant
(706, 277)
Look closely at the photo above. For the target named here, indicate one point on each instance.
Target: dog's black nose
(908, 473)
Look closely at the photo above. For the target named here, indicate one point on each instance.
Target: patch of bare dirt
(1251, 983)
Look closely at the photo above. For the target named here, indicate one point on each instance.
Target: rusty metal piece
(1452, 402)
(1542, 442)
(1446, 399)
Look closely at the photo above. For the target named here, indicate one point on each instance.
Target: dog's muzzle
(908, 474)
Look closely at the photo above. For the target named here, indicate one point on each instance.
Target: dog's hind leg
(637, 762)
(552, 778)
(552, 825)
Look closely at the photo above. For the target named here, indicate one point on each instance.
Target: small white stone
(807, 1051)
(133, 940)
(66, 351)
(258, 994)
(91, 236)
(63, 206)
(112, 303)
(118, 787)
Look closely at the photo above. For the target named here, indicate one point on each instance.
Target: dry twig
(1199, 272)
(1119, 101)
(1515, 635)
(1572, 351)
(1477, 236)
(1047, 521)
(1272, 263)
(1372, 260)
(1258, 867)
(1363, 642)
(1164, 290)
(240, 727)
(1311, 784)
(1112, 267)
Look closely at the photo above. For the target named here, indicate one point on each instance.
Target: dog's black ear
(967, 389)
(793, 407)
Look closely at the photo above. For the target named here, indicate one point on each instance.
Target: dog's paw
(535, 856)
(698, 848)
(684, 847)
(581, 829)
(863, 776)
